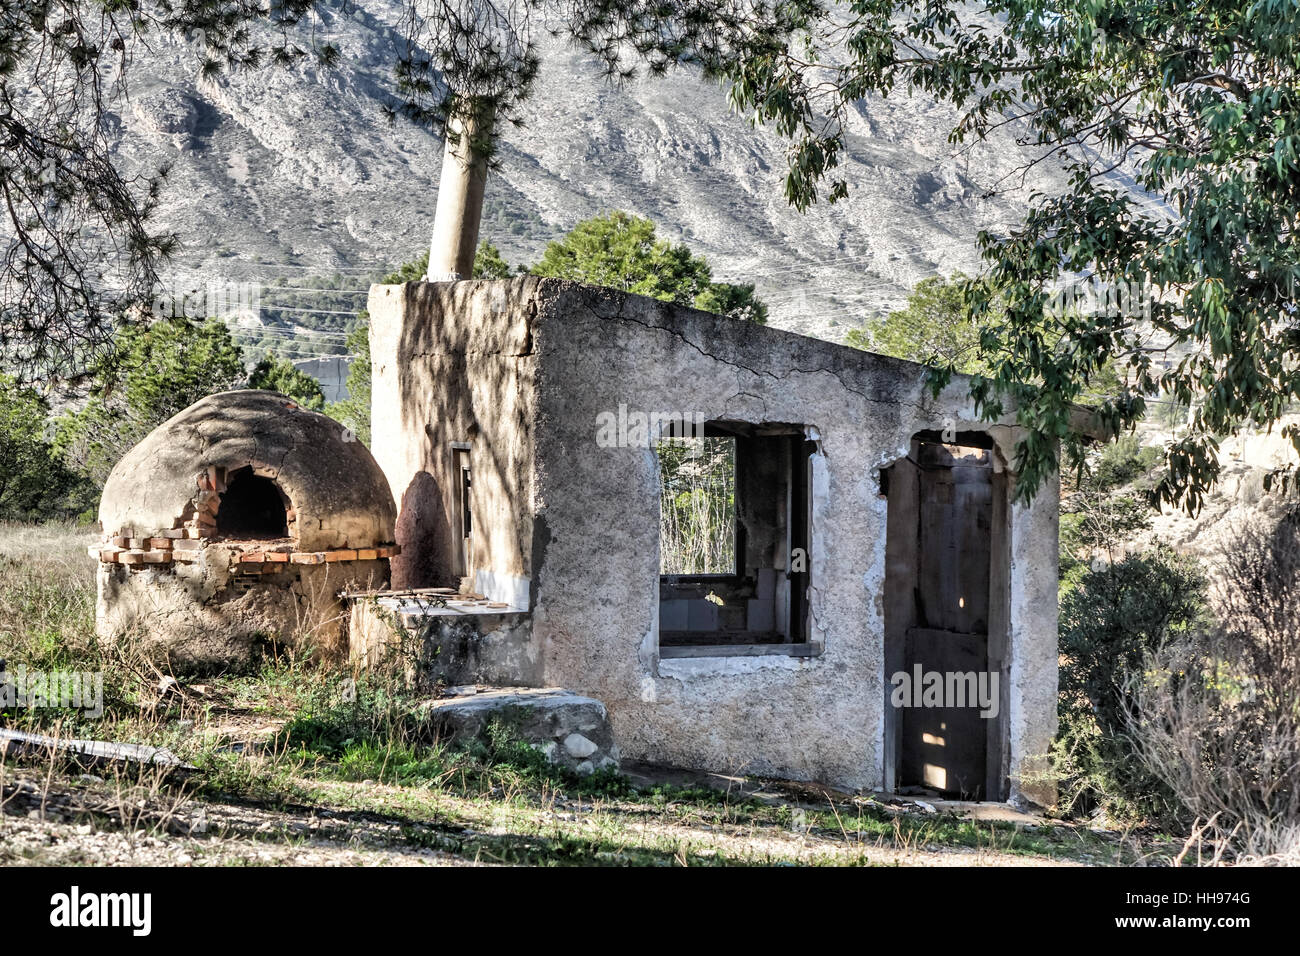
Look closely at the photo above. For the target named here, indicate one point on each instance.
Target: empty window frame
(462, 523)
(697, 505)
(744, 486)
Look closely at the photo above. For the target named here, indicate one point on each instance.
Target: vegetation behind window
(697, 510)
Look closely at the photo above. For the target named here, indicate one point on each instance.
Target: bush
(1097, 522)
(1218, 720)
(935, 328)
(35, 483)
(353, 412)
(1122, 462)
(281, 375)
(621, 251)
(1112, 620)
(156, 370)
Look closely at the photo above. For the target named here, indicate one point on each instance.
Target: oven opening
(252, 507)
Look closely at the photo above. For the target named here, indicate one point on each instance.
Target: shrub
(1091, 521)
(935, 327)
(1111, 620)
(281, 375)
(156, 370)
(34, 481)
(622, 251)
(1122, 462)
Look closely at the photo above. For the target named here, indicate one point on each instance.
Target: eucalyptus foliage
(1198, 102)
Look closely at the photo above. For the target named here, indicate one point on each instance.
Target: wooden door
(945, 747)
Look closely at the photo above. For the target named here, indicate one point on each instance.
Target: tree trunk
(460, 197)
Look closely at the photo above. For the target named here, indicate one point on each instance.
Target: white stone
(578, 746)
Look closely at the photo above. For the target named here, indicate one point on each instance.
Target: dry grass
(1217, 715)
(293, 770)
(47, 592)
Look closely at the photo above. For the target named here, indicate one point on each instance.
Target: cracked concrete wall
(584, 518)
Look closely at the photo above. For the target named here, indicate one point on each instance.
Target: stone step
(571, 730)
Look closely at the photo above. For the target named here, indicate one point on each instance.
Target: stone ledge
(572, 731)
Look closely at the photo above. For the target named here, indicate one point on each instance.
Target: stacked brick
(270, 561)
(182, 543)
(141, 552)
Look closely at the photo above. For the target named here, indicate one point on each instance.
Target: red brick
(252, 557)
(277, 557)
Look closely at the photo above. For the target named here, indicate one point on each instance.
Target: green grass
(299, 739)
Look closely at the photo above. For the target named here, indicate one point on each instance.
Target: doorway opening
(946, 607)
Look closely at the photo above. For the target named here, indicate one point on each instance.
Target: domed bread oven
(232, 528)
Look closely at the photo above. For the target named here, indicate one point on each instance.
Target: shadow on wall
(464, 370)
(425, 532)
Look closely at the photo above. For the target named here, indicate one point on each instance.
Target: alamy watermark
(960, 689)
(1099, 297)
(77, 909)
(218, 298)
(631, 428)
(63, 690)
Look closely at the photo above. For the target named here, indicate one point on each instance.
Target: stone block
(572, 730)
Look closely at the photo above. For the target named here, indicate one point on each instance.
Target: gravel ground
(80, 824)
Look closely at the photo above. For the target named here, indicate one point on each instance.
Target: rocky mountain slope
(296, 172)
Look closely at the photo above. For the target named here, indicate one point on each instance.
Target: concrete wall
(331, 373)
(455, 364)
(542, 360)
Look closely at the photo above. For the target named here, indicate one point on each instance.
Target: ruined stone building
(868, 537)
(875, 533)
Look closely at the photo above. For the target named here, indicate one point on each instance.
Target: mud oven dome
(234, 526)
